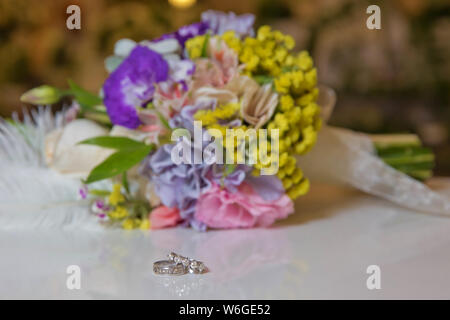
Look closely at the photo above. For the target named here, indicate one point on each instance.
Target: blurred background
(392, 80)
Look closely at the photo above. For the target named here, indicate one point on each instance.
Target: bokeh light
(182, 3)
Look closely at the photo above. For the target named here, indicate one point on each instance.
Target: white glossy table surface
(320, 252)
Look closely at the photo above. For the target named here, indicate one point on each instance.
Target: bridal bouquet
(208, 127)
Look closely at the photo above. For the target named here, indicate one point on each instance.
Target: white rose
(65, 155)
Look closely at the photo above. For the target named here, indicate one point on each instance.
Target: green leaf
(420, 175)
(99, 193)
(84, 98)
(118, 143)
(229, 169)
(118, 163)
(262, 79)
(414, 166)
(163, 120)
(205, 46)
(387, 141)
(42, 95)
(98, 116)
(125, 182)
(420, 158)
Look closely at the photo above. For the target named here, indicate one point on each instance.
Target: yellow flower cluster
(134, 223)
(116, 199)
(298, 76)
(264, 54)
(291, 176)
(120, 213)
(210, 117)
(298, 122)
(297, 115)
(194, 46)
(116, 196)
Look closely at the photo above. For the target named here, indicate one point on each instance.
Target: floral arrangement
(201, 92)
(223, 74)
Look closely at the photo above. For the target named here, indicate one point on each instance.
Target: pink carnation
(163, 217)
(220, 208)
(220, 66)
(170, 98)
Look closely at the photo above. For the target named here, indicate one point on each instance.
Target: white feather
(31, 194)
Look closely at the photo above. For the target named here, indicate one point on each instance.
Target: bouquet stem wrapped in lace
(212, 126)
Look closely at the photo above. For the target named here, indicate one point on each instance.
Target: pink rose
(163, 217)
(220, 208)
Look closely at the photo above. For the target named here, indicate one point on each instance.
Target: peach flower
(219, 68)
(164, 217)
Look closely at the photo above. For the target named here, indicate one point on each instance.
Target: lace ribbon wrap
(342, 156)
(345, 157)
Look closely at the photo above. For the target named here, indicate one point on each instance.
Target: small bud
(41, 95)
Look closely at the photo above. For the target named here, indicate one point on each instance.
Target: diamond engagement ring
(168, 267)
(191, 265)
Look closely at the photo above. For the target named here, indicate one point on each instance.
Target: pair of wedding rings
(178, 265)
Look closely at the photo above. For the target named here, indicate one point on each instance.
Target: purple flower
(101, 205)
(83, 192)
(131, 85)
(100, 208)
(180, 71)
(219, 22)
(269, 187)
(178, 185)
(230, 180)
(190, 31)
(186, 32)
(185, 119)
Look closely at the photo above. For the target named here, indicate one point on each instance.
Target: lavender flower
(230, 180)
(219, 22)
(269, 187)
(178, 185)
(185, 119)
(190, 31)
(186, 32)
(180, 71)
(131, 85)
